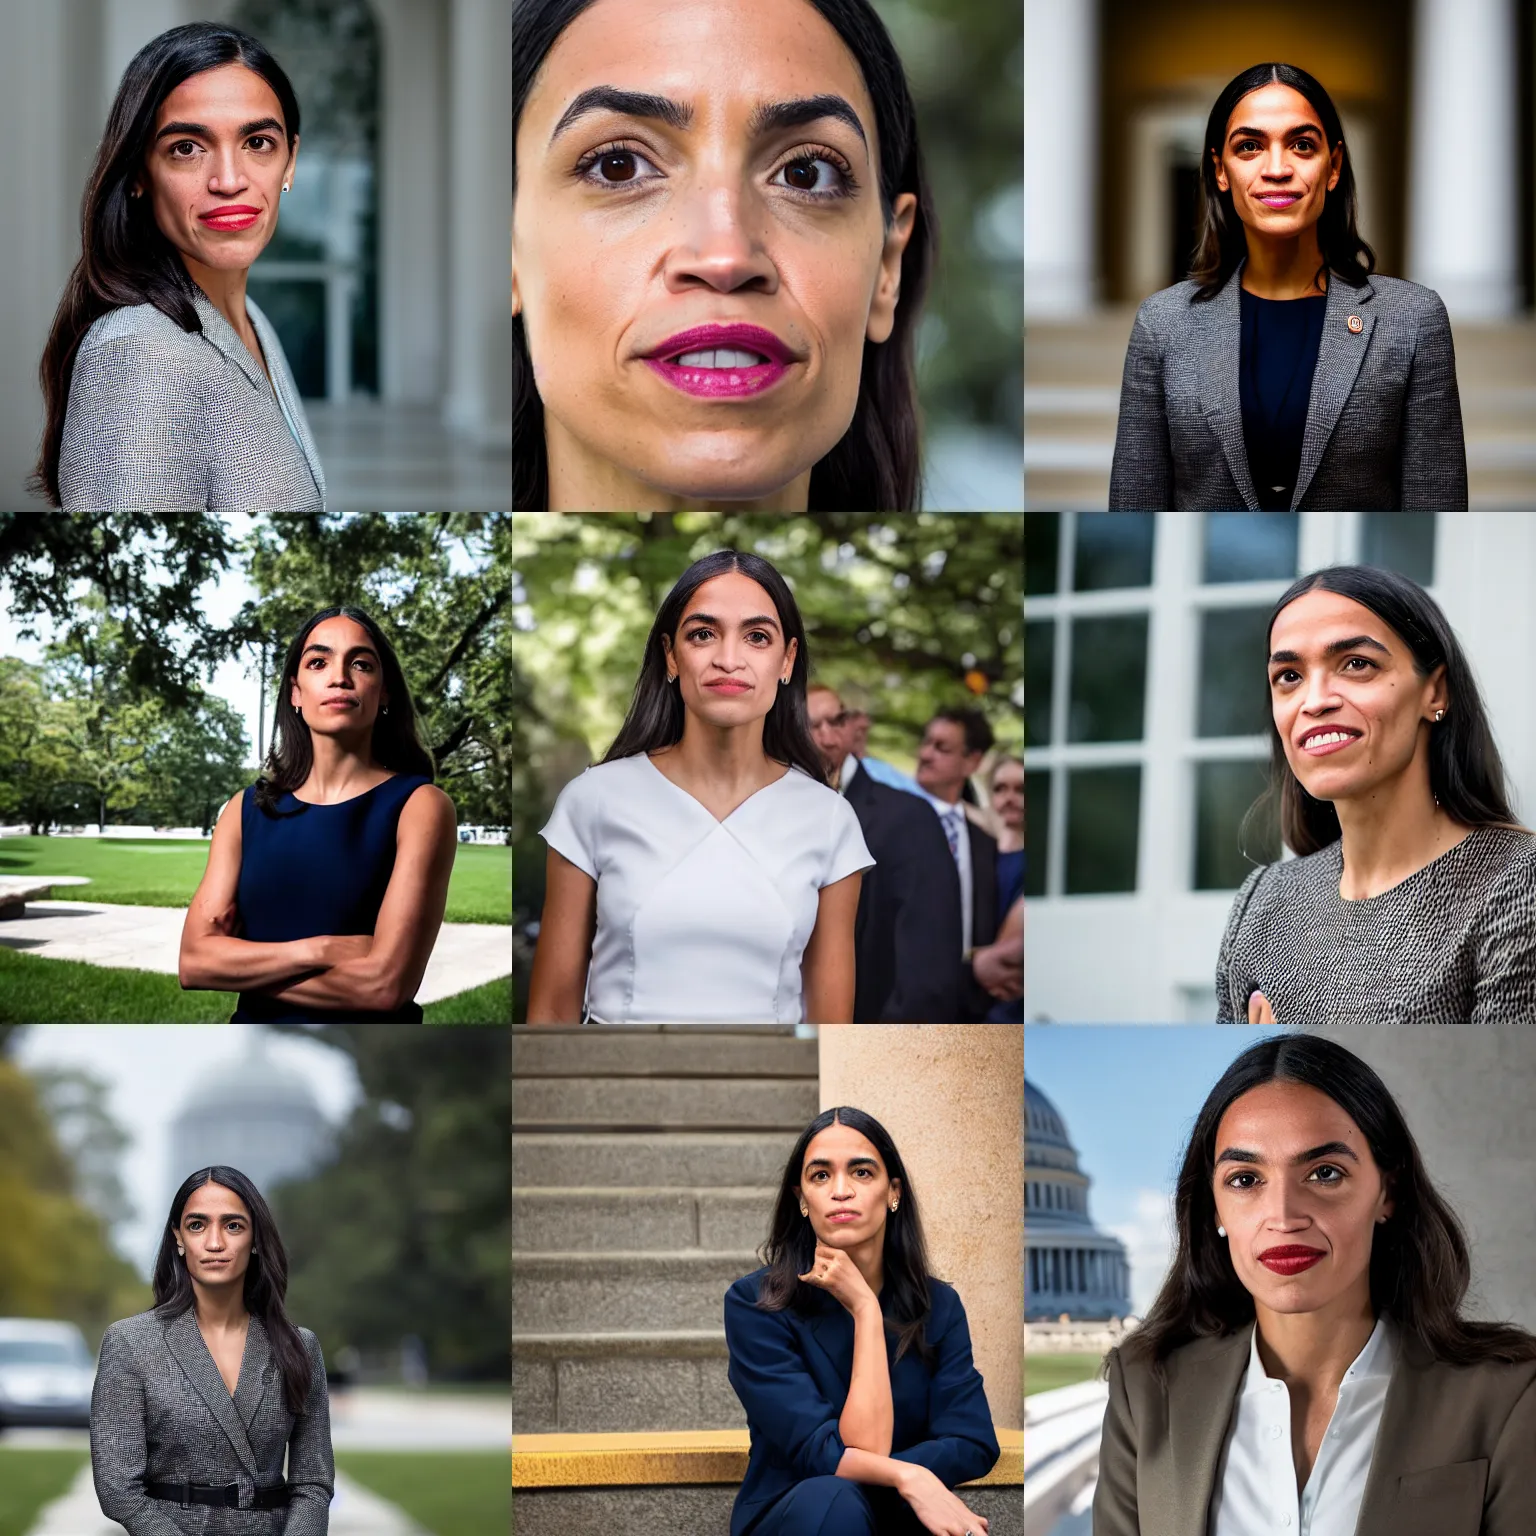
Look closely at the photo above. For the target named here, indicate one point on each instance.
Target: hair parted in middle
(791, 1245)
(1419, 1267)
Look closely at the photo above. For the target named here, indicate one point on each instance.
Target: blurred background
(384, 1153)
(904, 615)
(1436, 101)
(388, 279)
(1147, 723)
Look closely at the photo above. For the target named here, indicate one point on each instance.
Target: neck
(338, 766)
(1010, 839)
(1392, 832)
(869, 1259)
(220, 1307)
(1284, 268)
(225, 290)
(1312, 1350)
(727, 757)
(581, 481)
(948, 793)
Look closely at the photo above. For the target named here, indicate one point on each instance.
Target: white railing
(1061, 1449)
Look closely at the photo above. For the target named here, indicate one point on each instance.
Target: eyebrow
(1335, 648)
(767, 117)
(204, 1216)
(853, 1162)
(709, 618)
(1327, 1149)
(202, 131)
(1290, 133)
(327, 650)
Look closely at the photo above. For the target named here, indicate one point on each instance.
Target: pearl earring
(804, 1211)
(1221, 1231)
(181, 1253)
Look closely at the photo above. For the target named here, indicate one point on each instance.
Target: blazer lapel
(1339, 357)
(1221, 321)
(832, 1329)
(220, 335)
(186, 1344)
(1197, 1431)
(257, 1370)
(283, 385)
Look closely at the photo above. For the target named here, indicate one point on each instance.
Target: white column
(126, 26)
(1061, 101)
(479, 401)
(1462, 214)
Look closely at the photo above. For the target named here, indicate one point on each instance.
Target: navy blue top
(792, 1371)
(1280, 343)
(1010, 886)
(307, 870)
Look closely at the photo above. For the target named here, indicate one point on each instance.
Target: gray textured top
(1454, 943)
(1383, 426)
(166, 420)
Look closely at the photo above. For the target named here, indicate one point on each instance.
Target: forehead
(222, 97)
(1280, 1119)
(215, 1200)
(721, 56)
(1317, 617)
(822, 704)
(840, 1143)
(731, 593)
(1008, 773)
(1275, 107)
(340, 633)
(945, 732)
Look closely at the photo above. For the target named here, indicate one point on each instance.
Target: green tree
(197, 760)
(34, 756)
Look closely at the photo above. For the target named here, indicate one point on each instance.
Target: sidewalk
(147, 939)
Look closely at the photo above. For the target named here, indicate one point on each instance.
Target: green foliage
(193, 765)
(1043, 1373)
(490, 1004)
(31, 1479)
(38, 991)
(408, 1230)
(449, 1493)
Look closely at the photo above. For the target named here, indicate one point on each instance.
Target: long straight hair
(1222, 242)
(124, 259)
(657, 712)
(1466, 773)
(877, 464)
(397, 743)
(791, 1245)
(266, 1280)
(1419, 1268)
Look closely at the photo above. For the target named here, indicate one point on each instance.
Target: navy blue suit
(791, 1371)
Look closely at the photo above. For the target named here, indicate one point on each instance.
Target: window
(1042, 538)
(1400, 541)
(1233, 830)
(1103, 822)
(1249, 546)
(1233, 682)
(1112, 549)
(1109, 678)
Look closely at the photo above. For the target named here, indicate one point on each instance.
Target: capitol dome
(1072, 1267)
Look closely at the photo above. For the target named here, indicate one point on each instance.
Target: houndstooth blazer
(166, 420)
(160, 1412)
(1383, 428)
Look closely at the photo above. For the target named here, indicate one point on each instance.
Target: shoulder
(141, 329)
(743, 1293)
(311, 1342)
(945, 1307)
(1397, 301)
(428, 806)
(142, 1328)
(1168, 309)
(798, 785)
(1504, 857)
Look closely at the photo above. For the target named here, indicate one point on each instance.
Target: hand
(1259, 1011)
(832, 1270)
(999, 968)
(939, 1510)
(337, 947)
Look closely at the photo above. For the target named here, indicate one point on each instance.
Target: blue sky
(1129, 1095)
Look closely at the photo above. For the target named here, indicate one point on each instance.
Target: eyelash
(197, 1226)
(1321, 1168)
(1364, 661)
(811, 154)
(265, 138)
(694, 634)
(1310, 145)
(362, 661)
(821, 1173)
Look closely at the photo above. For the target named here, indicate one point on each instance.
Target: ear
(882, 311)
(1337, 161)
(517, 297)
(790, 652)
(293, 694)
(896, 1188)
(666, 646)
(1221, 173)
(1439, 694)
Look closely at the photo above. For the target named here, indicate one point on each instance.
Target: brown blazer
(1455, 1454)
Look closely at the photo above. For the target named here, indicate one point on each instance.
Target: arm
(1434, 467)
(999, 966)
(1224, 956)
(1114, 1500)
(558, 987)
(119, 1451)
(927, 929)
(1504, 985)
(311, 1466)
(1141, 475)
(868, 1417)
(826, 970)
(387, 973)
(210, 956)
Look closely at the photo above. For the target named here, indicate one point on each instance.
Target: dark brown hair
(1222, 242)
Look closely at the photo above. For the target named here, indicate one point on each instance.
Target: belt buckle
(186, 1493)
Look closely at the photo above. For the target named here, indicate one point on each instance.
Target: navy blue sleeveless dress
(312, 869)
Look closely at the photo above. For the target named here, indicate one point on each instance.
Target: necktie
(952, 820)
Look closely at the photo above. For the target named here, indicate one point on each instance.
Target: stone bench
(16, 892)
(663, 1483)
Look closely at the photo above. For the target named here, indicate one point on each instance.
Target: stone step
(661, 1051)
(577, 1220)
(680, 1160)
(623, 1292)
(663, 1103)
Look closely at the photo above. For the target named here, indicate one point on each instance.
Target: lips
(1290, 1259)
(1280, 199)
(728, 687)
(341, 704)
(721, 361)
(235, 216)
(843, 1216)
(1322, 740)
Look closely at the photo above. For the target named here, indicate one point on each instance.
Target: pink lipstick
(1290, 1260)
(721, 362)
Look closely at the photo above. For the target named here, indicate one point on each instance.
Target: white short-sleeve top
(699, 920)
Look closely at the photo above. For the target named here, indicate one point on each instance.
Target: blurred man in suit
(907, 933)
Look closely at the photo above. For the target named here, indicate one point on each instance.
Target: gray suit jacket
(1383, 427)
(160, 1413)
(1455, 1454)
(166, 420)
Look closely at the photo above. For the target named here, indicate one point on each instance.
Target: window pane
(1109, 678)
(1103, 818)
(1400, 541)
(1037, 818)
(1042, 540)
(1224, 792)
(1234, 688)
(1113, 549)
(1250, 546)
(1039, 655)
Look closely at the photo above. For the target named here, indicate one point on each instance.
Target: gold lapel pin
(1356, 324)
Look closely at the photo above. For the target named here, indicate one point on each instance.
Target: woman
(846, 1312)
(721, 238)
(1306, 1365)
(166, 388)
(327, 878)
(198, 1402)
(1006, 788)
(1282, 373)
(1413, 900)
(704, 872)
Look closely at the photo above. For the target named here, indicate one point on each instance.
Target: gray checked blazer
(1383, 428)
(166, 420)
(160, 1413)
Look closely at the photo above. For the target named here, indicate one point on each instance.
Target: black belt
(226, 1496)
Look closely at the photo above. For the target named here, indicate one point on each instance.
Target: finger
(1255, 1003)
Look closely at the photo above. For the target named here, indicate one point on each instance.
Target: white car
(46, 1374)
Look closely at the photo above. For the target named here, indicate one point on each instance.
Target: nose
(225, 173)
(716, 247)
(1319, 692)
(1276, 167)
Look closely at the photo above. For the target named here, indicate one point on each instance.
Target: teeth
(1329, 739)
(720, 357)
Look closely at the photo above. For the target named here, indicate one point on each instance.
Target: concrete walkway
(148, 938)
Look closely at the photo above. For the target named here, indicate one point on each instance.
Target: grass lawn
(451, 1493)
(163, 872)
(1043, 1372)
(37, 991)
(31, 1479)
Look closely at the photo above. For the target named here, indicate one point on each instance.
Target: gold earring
(181, 1252)
(804, 1211)
(893, 1209)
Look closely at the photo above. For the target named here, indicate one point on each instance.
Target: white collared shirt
(1255, 1493)
(846, 772)
(955, 815)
